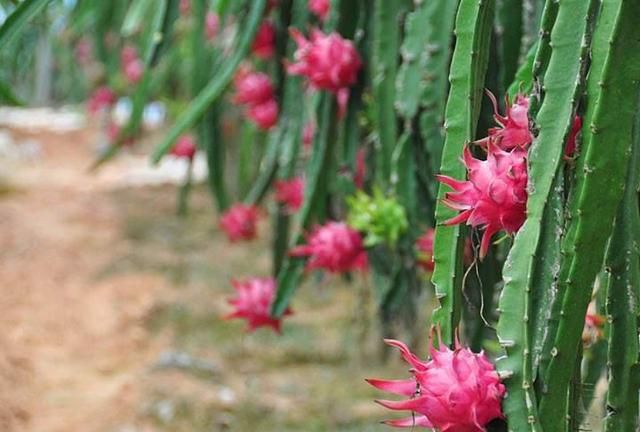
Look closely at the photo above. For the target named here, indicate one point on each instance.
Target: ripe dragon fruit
(211, 26)
(101, 98)
(320, 8)
(252, 88)
(239, 222)
(329, 62)
(185, 147)
(570, 147)
(264, 115)
(593, 323)
(133, 71)
(128, 54)
(253, 303)
(83, 51)
(456, 391)
(185, 7)
(333, 247)
(424, 246)
(495, 195)
(264, 44)
(513, 130)
(290, 193)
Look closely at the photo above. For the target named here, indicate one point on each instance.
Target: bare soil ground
(110, 314)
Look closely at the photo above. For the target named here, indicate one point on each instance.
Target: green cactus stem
(436, 25)
(562, 79)
(385, 44)
(508, 30)
(468, 68)
(622, 263)
(612, 96)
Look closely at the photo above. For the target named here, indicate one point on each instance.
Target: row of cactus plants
(380, 133)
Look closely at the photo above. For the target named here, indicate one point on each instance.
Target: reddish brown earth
(73, 343)
(98, 280)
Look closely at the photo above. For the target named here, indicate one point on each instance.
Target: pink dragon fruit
(328, 61)
(240, 222)
(133, 71)
(102, 98)
(264, 43)
(513, 130)
(185, 7)
(333, 247)
(264, 115)
(211, 26)
(252, 88)
(253, 303)
(83, 51)
(570, 147)
(185, 147)
(320, 8)
(424, 245)
(132, 66)
(495, 195)
(290, 193)
(592, 331)
(456, 391)
(128, 54)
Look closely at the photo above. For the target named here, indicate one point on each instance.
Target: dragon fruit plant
(494, 147)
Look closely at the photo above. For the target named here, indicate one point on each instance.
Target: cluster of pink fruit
(328, 62)
(255, 91)
(131, 65)
(458, 390)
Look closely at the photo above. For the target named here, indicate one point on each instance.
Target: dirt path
(100, 283)
(73, 344)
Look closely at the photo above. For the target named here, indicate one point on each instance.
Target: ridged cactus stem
(468, 69)
(385, 45)
(622, 301)
(531, 11)
(508, 30)
(316, 177)
(543, 51)
(563, 80)
(545, 276)
(612, 96)
(290, 132)
(437, 27)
